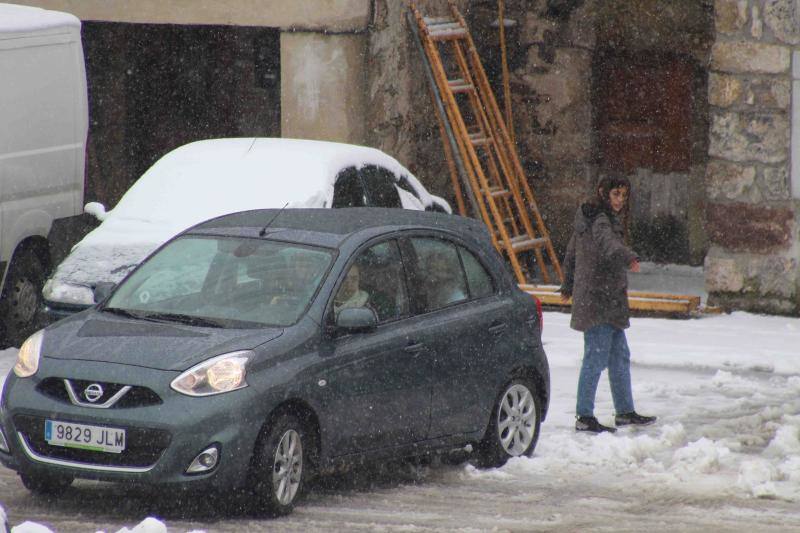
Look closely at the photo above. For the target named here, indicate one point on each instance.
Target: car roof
(331, 227)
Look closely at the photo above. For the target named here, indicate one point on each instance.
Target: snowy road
(725, 455)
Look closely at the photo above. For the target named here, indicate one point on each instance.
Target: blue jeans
(605, 346)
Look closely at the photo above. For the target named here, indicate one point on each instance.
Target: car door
(465, 323)
(377, 392)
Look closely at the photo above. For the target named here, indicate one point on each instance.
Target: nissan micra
(256, 349)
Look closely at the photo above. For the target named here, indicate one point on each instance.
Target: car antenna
(264, 229)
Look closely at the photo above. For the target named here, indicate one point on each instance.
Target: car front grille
(143, 446)
(135, 396)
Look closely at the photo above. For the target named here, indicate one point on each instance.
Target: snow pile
(726, 391)
(148, 525)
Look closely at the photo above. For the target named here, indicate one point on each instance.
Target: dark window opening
(154, 87)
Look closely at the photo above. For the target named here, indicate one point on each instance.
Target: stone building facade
(697, 102)
(752, 179)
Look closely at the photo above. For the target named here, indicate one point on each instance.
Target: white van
(43, 128)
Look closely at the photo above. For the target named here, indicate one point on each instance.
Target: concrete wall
(322, 86)
(752, 217)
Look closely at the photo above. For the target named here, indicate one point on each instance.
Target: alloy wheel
(516, 420)
(287, 468)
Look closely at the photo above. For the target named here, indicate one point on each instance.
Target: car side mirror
(356, 319)
(102, 290)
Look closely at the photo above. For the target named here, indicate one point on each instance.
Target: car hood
(94, 336)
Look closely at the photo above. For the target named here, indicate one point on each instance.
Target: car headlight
(28, 356)
(223, 373)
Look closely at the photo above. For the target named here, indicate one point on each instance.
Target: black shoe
(590, 424)
(634, 419)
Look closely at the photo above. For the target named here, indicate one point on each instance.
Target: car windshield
(223, 282)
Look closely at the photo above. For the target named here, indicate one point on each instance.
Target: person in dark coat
(595, 277)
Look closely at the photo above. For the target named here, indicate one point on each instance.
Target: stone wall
(400, 117)
(752, 262)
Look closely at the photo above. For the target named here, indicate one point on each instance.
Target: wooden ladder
(476, 137)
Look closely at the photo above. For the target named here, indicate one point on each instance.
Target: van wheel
(281, 465)
(514, 427)
(46, 485)
(22, 297)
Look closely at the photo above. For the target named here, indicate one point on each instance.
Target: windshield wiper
(183, 319)
(123, 312)
(165, 317)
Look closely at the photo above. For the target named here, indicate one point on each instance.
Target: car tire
(282, 466)
(43, 485)
(514, 427)
(22, 298)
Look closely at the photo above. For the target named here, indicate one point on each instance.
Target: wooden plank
(637, 300)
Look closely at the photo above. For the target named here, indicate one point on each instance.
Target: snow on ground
(726, 390)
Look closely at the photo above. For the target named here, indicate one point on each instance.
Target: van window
(348, 190)
(379, 183)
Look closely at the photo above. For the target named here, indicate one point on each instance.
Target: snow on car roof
(209, 178)
(16, 19)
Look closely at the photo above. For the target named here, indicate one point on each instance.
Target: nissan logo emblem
(93, 392)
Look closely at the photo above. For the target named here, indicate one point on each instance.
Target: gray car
(255, 349)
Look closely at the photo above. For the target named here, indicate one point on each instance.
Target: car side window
(375, 280)
(441, 278)
(348, 190)
(379, 183)
(478, 279)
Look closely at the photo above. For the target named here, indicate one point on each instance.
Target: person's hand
(635, 266)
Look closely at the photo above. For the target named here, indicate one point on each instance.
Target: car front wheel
(45, 485)
(281, 466)
(514, 427)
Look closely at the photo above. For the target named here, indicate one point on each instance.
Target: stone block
(731, 15)
(722, 275)
(774, 183)
(731, 181)
(758, 136)
(724, 90)
(750, 57)
(783, 18)
(770, 93)
(741, 227)
(758, 283)
(756, 24)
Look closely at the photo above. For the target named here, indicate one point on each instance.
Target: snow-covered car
(209, 178)
(258, 347)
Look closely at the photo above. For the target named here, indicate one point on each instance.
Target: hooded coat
(595, 270)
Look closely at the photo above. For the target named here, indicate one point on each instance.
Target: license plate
(84, 437)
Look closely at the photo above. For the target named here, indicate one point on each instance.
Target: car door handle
(414, 347)
(497, 329)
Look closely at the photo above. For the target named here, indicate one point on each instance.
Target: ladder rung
(497, 192)
(446, 25)
(478, 139)
(446, 34)
(522, 243)
(437, 20)
(460, 86)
